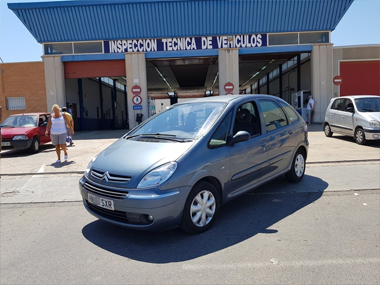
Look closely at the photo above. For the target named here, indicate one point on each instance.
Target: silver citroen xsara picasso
(178, 167)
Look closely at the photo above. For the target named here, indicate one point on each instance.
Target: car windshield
(181, 121)
(368, 104)
(20, 121)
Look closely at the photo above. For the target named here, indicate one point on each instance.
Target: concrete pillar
(322, 78)
(54, 81)
(228, 69)
(135, 67)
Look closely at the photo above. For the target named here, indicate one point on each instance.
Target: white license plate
(101, 202)
(5, 143)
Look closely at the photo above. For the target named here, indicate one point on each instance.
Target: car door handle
(290, 132)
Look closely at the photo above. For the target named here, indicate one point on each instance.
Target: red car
(25, 131)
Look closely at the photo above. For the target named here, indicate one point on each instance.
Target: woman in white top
(58, 133)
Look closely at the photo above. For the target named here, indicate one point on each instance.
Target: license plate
(101, 202)
(5, 143)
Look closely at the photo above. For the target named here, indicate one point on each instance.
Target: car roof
(29, 114)
(228, 98)
(357, 96)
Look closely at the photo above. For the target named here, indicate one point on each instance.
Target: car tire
(35, 146)
(200, 209)
(327, 130)
(360, 136)
(297, 171)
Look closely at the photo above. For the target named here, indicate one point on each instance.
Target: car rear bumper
(145, 209)
(16, 144)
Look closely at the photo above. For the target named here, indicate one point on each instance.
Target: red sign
(136, 90)
(337, 80)
(136, 100)
(229, 88)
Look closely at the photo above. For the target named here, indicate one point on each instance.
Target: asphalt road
(324, 230)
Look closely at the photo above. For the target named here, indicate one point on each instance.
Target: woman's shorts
(58, 139)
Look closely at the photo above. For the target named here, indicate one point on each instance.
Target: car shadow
(5, 153)
(241, 219)
(369, 143)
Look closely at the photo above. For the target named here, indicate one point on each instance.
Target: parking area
(88, 144)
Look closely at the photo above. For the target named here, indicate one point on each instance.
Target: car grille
(109, 177)
(111, 193)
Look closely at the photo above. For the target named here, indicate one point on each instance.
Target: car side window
(292, 115)
(274, 116)
(347, 103)
(337, 104)
(247, 119)
(220, 137)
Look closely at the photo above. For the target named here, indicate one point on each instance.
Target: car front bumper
(16, 144)
(144, 209)
(371, 134)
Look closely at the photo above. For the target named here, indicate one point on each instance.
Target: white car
(355, 116)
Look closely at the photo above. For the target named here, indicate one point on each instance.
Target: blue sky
(359, 26)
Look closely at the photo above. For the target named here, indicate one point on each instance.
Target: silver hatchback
(355, 116)
(178, 167)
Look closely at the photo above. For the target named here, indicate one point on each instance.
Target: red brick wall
(23, 79)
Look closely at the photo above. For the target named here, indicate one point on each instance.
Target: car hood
(372, 116)
(135, 158)
(8, 133)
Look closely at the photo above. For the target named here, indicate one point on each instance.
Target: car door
(42, 129)
(332, 114)
(248, 159)
(278, 138)
(345, 117)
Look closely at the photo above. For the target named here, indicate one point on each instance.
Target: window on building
(309, 38)
(283, 39)
(15, 103)
(92, 47)
(66, 48)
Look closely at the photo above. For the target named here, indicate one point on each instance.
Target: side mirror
(240, 136)
(350, 109)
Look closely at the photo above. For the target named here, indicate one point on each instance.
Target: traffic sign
(137, 107)
(136, 90)
(229, 87)
(137, 100)
(337, 80)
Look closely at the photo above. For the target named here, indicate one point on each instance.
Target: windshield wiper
(154, 135)
(7, 126)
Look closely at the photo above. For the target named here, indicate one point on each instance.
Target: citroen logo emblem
(105, 176)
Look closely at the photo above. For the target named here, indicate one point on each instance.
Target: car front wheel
(201, 208)
(35, 146)
(360, 136)
(297, 170)
(327, 129)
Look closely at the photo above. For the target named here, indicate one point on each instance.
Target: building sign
(185, 44)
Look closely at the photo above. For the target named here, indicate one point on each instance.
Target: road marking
(42, 169)
(311, 263)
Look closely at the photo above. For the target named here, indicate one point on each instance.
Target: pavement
(27, 178)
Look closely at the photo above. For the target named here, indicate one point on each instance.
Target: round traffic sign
(136, 90)
(337, 80)
(229, 87)
(137, 100)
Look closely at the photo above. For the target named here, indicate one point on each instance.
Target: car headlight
(87, 171)
(158, 175)
(20, 137)
(374, 124)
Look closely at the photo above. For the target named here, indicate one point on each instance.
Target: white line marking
(311, 263)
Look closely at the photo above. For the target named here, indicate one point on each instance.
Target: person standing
(58, 133)
(70, 126)
(310, 109)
